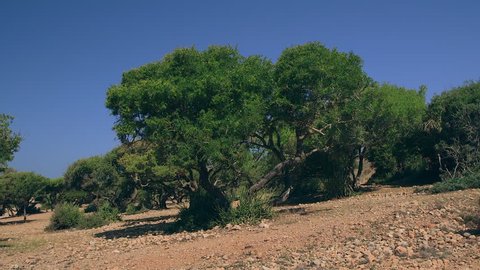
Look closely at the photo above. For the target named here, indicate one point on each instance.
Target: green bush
(91, 221)
(77, 197)
(132, 209)
(250, 209)
(65, 216)
(108, 213)
(470, 181)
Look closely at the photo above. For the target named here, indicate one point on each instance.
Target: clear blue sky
(58, 58)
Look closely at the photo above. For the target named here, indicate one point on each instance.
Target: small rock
(116, 251)
(236, 228)
(401, 251)
(264, 225)
(466, 234)
(363, 260)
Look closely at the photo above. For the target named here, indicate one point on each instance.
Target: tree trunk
(361, 155)
(162, 204)
(24, 213)
(285, 195)
(279, 170)
(204, 181)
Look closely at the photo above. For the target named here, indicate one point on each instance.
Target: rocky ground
(390, 228)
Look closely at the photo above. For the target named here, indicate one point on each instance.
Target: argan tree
(9, 141)
(19, 190)
(315, 88)
(197, 107)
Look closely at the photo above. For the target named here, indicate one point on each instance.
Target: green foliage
(472, 180)
(454, 131)
(251, 209)
(68, 216)
(89, 221)
(96, 179)
(65, 216)
(76, 197)
(132, 209)
(194, 107)
(19, 190)
(392, 118)
(108, 213)
(9, 141)
(52, 192)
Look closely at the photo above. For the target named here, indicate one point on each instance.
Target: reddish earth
(390, 228)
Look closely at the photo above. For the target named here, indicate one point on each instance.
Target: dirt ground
(389, 228)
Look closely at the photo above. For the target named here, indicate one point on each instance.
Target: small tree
(20, 189)
(9, 141)
(96, 178)
(51, 192)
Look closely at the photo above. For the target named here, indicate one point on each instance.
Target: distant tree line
(214, 122)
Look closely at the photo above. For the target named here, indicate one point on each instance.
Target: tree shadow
(14, 222)
(411, 178)
(138, 230)
(322, 197)
(475, 232)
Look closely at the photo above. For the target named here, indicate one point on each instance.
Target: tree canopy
(9, 141)
(454, 130)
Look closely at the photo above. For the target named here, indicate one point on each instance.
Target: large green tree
(314, 89)
(391, 118)
(197, 107)
(9, 141)
(453, 126)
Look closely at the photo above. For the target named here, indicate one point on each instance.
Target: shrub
(65, 216)
(108, 213)
(132, 209)
(91, 221)
(472, 180)
(249, 209)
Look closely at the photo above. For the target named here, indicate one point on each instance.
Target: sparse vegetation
(199, 125)
(247, 208)
(69, 216)
(471, 180)
(65, 216)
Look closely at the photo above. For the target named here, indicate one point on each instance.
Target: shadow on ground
(315, 197)
(129, 231)
(14, 222)
(475, 232)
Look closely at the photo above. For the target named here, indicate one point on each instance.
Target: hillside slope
(390, 228)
